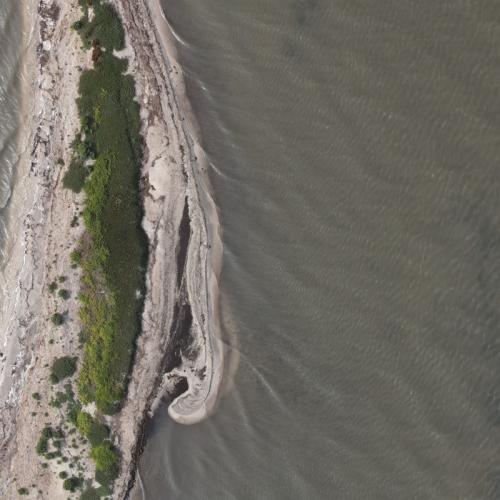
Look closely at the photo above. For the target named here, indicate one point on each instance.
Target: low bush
(105, 26)
(74, 409)
(92, 429)
(57, 319)
(75, 257)
(62, 368)
(72, 483)
(75, 176)
(90, 494)
(64, 294)
(59, 400)
(43, 441)
(106, 459)
(78, 25)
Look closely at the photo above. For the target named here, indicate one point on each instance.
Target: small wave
(176, 35)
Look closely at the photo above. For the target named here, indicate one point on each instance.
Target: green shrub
(53, 454)
(72, 483)
(43, 441)
(59, 400)
(75, 257)
(36, 396)
(23, 491)
(57, 319)
(52, 287)
(92, 429)
(106, 459)
(74, 409)
(98, 433)
(106, 484)
(63, 367)
(114, 256)
(64, 294)
(105, 26)
(42, 445)
(113, 263)
(58, 433)
(78, 25)
(84, 422)
(75, 176)
(47, 431)
(63, 474)
(90, 494)
(62, 279)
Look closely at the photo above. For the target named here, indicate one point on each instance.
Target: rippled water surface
(355, 150)
(11, 43)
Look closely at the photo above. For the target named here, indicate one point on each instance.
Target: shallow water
(11, 41)
(354, 150)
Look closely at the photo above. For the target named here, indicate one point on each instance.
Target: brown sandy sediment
(180, 343)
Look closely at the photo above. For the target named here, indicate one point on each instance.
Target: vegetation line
(106, 163)
(106, 159)
(112, 253)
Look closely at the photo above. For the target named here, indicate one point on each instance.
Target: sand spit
(180, 339)
(180, 347)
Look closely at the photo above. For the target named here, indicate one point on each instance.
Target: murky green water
(355, 151)
(11, 41)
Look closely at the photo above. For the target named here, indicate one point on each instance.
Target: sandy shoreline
(19, 200)
(180, 322)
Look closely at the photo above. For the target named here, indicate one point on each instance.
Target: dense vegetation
(105, 165)
(107, 153)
